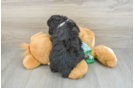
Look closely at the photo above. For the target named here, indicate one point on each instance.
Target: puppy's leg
(53, 69)
(66, 72)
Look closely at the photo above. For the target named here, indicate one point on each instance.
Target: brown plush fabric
(40, 47)
(85, 37)
(30, 62)
(104, 55)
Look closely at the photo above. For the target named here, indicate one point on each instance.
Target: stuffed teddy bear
(37, 52)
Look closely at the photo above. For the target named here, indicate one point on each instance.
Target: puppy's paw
(53, 70)
(65, 76)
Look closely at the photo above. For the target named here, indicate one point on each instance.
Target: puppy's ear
(75, 30)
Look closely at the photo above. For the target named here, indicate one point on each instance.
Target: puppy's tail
(25, 46)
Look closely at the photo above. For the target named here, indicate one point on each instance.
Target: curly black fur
(66, 52)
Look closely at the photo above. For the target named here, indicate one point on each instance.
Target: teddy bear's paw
(30, 62)
(80, 70)
(105, 55)
(111, 63)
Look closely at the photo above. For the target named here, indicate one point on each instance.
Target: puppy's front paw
(65, 76)
(53, 70)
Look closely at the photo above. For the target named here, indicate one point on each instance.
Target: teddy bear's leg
(30, 62)
(80, 70)
(104, 55)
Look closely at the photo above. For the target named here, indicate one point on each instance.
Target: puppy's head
(54, 21)
(62, 28)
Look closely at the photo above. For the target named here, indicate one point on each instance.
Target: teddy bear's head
(40, 47)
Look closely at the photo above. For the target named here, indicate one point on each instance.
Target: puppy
(66, 52)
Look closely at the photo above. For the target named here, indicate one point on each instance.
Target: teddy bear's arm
(30, 62)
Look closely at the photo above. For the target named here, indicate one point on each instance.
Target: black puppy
(66, 52)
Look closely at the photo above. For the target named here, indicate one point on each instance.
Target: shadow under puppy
(66, 52)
